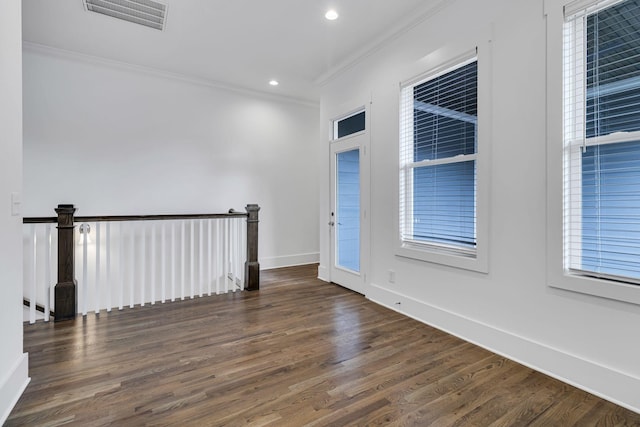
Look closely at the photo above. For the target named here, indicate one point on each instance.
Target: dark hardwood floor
(298, 352)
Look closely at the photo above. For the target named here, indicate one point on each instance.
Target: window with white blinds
(602, 140)
(438, 152)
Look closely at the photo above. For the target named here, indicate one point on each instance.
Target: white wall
(113, 139)
(13, 362)
(587, 341)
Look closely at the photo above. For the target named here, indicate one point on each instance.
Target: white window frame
(474, 259)
(565, 142)
(335, 122)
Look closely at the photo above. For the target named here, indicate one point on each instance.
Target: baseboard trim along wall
(323, 273)
(289, 260)
(13, 385)
(602, 381)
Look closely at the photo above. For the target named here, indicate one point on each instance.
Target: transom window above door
(349, 125)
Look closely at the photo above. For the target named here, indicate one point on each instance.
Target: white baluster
(47, 273)
(108, 266)
(163, 257)
(230, 252)
(85, 278)
(234, 248)
(209, 256)
(223, 256)
(34, 266)
(241, 253)
(183, 273)
(238, 244)
(243, 249)
(121, 264)
(143, 261)
(239, 282)
(173, 261)
(153, 263)
(97, 291)
(200, 255)
(227, 255)
(218, 253)
(132, 257)
(234, 253)
(192, 259)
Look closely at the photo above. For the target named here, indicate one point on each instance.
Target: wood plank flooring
(298, 352)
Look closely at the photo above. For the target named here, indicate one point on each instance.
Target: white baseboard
(13, 385)
(289, 260)
(605, 382)
(323, 273)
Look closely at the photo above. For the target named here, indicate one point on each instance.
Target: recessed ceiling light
(274, 83)
(331, 15)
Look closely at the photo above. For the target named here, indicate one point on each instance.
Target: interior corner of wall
(323, 273)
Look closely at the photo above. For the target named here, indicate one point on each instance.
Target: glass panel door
(347, 219)
(348, 225)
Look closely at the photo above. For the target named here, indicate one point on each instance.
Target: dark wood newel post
(65, 294)
(251, 266)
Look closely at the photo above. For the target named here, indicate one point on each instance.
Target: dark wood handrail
(40, 220)
(114, 218)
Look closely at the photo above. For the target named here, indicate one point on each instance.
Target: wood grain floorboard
(299, 352)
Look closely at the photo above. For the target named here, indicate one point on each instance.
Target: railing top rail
(112, 218)
(101, 218)
(40, 220)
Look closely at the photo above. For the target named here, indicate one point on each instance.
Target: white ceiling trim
(96, 60)
(386, 38)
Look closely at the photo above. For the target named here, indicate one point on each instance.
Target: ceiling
(236, 43)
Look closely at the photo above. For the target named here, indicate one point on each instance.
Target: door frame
(360, 140)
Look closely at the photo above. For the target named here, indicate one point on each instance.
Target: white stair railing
(135, 261)
(39, 269)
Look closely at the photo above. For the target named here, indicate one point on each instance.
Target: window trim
(558, 277)
(453, 256)
(334, 124)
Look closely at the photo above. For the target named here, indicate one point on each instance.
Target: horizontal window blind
(602, 141)
(438, 153)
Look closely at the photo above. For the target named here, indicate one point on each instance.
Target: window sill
(603, 288)
(444, 257)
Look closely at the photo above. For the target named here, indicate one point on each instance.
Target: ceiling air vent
(144, 12)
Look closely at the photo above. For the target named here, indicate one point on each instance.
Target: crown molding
(385, 39)
(156, 72)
